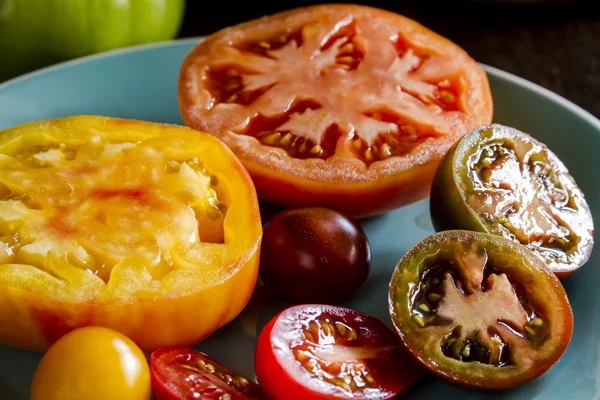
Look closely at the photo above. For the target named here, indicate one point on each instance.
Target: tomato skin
(314, 255)
(358, 200)
(35, 34)
(450, 210)
(282, 378)
(341, 180)
(92, 363)
(33, 317)
(542, 289)
(170, 382)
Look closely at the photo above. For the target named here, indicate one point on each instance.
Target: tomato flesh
(479, 310)
(331, 99)
(503, 181)
(179, 373)
(123, 224)
(325, 352)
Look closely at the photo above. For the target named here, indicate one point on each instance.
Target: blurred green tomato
(36, 33)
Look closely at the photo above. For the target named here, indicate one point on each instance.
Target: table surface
(555, 44)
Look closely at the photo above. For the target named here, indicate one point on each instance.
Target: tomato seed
(271, 139)
(444, 84)
(369, 154)
(357, 144)
(347, 48)
(419, 320)
(309, 30)
(343, 66)
(172, 166)
(263, 45)
(345, 59)
(466, 351)
(231, 73)
(424, 99)
(285, 141)
(281, 38)
(433, 297)
(447, 96)
(423, 307)
(317, 150)
(385, 151)
(231, 98)
(68, 154)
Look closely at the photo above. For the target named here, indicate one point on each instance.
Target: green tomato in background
(37, 33)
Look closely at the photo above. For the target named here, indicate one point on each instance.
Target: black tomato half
(314, 255)
(479, 310)
(500, 180)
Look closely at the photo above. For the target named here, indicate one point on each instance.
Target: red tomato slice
(345, 106)
(328, 352)
(179, 373)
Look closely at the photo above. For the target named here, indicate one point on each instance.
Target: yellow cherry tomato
(92, 363)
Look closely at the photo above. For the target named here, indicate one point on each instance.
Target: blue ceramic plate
(141, 83)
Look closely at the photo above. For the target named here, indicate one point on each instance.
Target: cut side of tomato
(123, 224)
(500, 180)
(344, 106)
(179, 373)
(329, 352)
(479, 310)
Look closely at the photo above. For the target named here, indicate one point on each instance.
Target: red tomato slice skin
(278, 382)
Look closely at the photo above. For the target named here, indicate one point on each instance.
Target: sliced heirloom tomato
(479, 310)
(324, 352)
(149, 229)
(179, 373)
(344, 106)
(500, 180)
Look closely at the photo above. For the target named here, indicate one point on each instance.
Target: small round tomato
(311, 351)
(314, 255)
(344, 106)
(179, 373)
(479, 310)
(92, 363)
(500, 180)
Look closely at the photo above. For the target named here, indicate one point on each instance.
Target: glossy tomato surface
(92, 363)
(149, 229)
(314, 255)
(479, 310)
(500, 180)
(36, 33)
(344, 106)
(323, 352)
(179, 373)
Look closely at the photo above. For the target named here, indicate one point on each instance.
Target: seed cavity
(326, 332)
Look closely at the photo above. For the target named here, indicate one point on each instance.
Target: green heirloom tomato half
(479, 310)
(36, 33)
(499, 180)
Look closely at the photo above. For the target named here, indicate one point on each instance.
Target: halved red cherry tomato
(179, 373)
(327, 352)
(479, 310)
(344, 106)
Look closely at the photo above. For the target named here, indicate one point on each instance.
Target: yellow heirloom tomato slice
(149, 229)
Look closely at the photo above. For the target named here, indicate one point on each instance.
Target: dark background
(555, 44)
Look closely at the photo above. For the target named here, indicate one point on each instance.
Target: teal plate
(141, 83)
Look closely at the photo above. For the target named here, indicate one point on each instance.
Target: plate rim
(508, 76)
